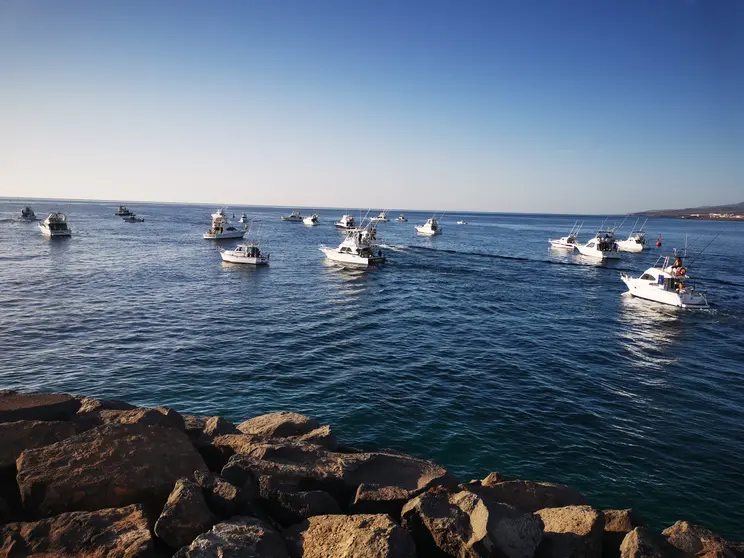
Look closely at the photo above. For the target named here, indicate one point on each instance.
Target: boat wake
(394, 248)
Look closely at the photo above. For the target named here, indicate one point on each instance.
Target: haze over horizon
(575, 107)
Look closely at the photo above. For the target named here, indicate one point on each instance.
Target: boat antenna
(703, 250)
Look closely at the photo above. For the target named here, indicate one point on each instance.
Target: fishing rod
(703, 250)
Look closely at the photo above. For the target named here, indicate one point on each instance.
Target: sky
(554, 106)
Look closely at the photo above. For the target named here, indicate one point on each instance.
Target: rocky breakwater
(94, 478)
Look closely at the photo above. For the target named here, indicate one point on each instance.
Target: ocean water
(481, 349)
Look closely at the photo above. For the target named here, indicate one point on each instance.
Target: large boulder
(28, 434)
(241, 537)
(185, 515)
(279, 425)
(462, 525)
(37, 406)
(108, 533)
(287, 505)
(528, 496)
(349, 536)
(109, 466)
(90, 405)
(217, 426)
(311, 467)
(641, 542)
(159, 416)
(698, 541)
(617, 524)
(571, 532)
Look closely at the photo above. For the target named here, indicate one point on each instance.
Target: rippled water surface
(480, 348)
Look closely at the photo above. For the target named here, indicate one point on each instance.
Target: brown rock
(185, 515)
(618, 523)
(641, 542)
(37, 406)
(160, 416)
(109, 466)
(571, 531)
(217, 426)
(311, 467)
(349, 536)
(15, 437)
(224, 498)
(241, 537)
(379, 499)
(528, 496)
(698, 541)
(90, 405)
(109, 533)
(287, 505)
(194, 425)
(279, 425)
(462, 525)
(322, 436)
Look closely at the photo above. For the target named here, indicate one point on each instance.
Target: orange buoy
(658, 242)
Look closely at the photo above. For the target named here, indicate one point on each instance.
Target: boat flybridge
(401, 218)
(666, 284)
(28, 214)
(359, 248)
(430, 228)
(122, 211)
(568, 242)
(55, 225)
(601, 247)
(221, 228)
(295, 217)
(382, 217)
(346, 222)
(312, 220)
(636, 241)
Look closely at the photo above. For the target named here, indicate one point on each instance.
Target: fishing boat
(221, 228)
(430, 228)
(244, 218)
(601, 247)
(28, 214)
(55, 225)
(462, 222)
(381, 218)
(312, 220)
(346, 222)
(295, 217)
(636, 241)
(401, 219)
(132, 218)
(246, 253)
(358, 248)
(122, 211)
(568, 242)
(666, 284)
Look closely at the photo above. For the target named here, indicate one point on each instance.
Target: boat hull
(630, 246)
(54, 234)
(351, 259)
(652, 292)
(229, 256)
(310, 222)
(292, 219)
(561, 245)
(427, 232)
(597, 254)
(224, 235)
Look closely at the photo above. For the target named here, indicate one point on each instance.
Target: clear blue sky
(547, 106)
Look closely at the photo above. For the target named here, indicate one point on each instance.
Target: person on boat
(677, 263)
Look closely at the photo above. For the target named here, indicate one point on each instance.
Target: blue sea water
(481, 349)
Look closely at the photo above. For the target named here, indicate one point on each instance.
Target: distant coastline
(730, 212)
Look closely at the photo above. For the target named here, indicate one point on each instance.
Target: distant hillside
(728, 211)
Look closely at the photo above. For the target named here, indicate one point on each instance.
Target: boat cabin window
(590, 245)
(648, 277)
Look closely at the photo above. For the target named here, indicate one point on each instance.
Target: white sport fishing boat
(122, 211)
(295, 217)
(430, 228)
(601, 247)
(568, 242)
(346, 222)
(28, 214)
(221, 228)
(401, 219)
(636, 241)
(666, 284)
(462, 222)
(312, 220)
(244, 218)
(247, 253)
(381, 218)
(55, 225)
(358, 248)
